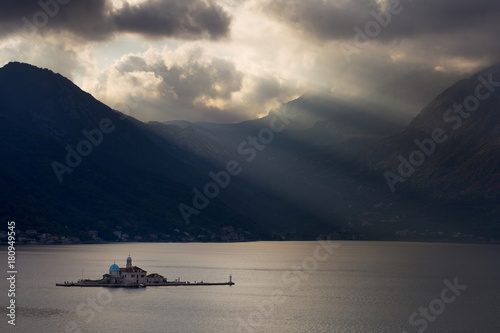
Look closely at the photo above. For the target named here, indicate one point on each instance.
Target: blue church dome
(113, 269)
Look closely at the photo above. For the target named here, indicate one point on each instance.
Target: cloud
(448, 27)
(335, 19)
(277, 51)
(49, 52)
(98, 20)
(188, 19)
(185, 83)
(423, 49)
(266, 88)
(324, 20)
(88, 19)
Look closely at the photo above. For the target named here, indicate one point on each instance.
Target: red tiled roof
(132, 270)
(155, 275)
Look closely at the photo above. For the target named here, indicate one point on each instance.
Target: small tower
(129, 262)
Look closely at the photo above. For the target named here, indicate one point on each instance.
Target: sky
(233, 60)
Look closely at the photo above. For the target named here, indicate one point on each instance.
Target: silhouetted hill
(328, 165)
(448, 158)
(464, 163)
(293, 173)
(116, 178)
(313, 166)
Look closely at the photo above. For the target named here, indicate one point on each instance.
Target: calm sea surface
(280, 287)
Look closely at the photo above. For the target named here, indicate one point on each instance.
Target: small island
(135, 277)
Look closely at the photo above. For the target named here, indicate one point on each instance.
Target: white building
(130, 275)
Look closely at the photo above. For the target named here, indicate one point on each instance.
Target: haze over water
(360, 287)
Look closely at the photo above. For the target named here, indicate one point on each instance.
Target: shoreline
(167, 284)
(444, 241)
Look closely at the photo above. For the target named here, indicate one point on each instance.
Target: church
(132, 275)
(135, 277)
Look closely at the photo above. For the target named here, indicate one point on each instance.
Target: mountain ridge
(127, 182)
(321, 174)
(468, 117)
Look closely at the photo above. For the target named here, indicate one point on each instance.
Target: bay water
(279, 287)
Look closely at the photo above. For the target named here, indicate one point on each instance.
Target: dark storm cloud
(97, 20)
(322, 19)
(183, 18)
(86, 18)
(444, 29)
(335, 19)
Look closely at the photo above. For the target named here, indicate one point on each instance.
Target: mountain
(333, 163)
(291, 175)
(71, 165)
(313, 166)
(136, 175)
(462, 160)
(450, 152)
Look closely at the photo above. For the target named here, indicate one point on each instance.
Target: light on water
(280, 287)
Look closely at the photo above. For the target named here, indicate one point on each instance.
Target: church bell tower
(129, 262)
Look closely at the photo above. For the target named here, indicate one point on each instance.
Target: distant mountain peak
(45, 101)
(21, 68)
(460, 129)
(17, 64)
(492, 69)
(431, 116)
